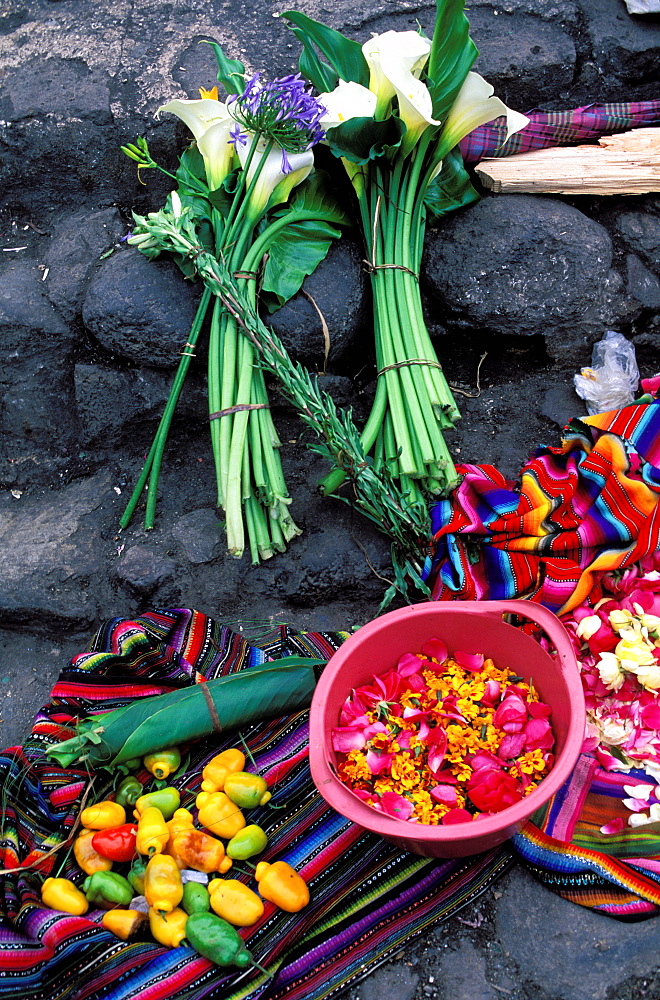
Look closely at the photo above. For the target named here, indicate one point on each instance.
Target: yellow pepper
(247, 790)
(235, 902)
(62, 894)
(182, 820)
(217, 769)
(282, 885)
(103, 815)
(200, 851)
(168, 928)
(123, 924)
(219, 814)
(163, 763)
(88, 859)
(163, 888)
(152, 835)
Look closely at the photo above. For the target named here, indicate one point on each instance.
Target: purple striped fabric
(559, 128)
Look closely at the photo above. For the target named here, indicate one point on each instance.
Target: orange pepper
(219, 814)
(217, 769)
(282, 885)
(200, 851)
(182, 820)
(88, 859)
(235, 902)
(123, 924)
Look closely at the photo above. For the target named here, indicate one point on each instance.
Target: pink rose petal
(511, 746)
(346, 738)
(456, 816)
(436, 649)
(395, 805)
(378, 762)
(408, 664)
(470, 661)
(445, 794)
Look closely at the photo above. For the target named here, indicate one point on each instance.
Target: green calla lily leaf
(231, 72)
(451, 189)
(452, 55)
(344, 55)
(364, 139)
(297, 250)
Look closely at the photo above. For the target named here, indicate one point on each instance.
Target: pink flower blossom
(511, 713)
(538, 735)
(511, 746)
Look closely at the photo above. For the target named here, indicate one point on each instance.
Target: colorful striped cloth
(367, 898)
(616, 873)
(578, 511)
(559, 128)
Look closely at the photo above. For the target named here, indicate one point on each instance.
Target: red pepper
(116, 843)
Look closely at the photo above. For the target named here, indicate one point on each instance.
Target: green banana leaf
(149, 724)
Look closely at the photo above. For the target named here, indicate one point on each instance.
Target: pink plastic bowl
(475, 627)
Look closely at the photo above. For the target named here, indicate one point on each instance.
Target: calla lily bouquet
(396, 108)
(248, 182)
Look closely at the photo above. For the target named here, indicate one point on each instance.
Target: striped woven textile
(579, 510)
(367, 898)
(559, 128)
(617, 873)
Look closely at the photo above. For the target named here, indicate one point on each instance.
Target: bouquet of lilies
(248, 183)
(396, 109)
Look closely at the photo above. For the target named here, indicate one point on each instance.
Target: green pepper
(247, 842)
(217, 940)
(136, 876)
(129, 791)
(107, 889)
(166, 799)
(163, 763)
(196, 898)
(134, 764)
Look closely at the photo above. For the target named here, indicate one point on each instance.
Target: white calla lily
(348, 100)
(474, 106)
(394, 59)
(274, 184)
(210, 122)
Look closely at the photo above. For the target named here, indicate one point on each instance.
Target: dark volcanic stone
(140, 309)
(583, 957)
(641, 232)
(338, 288)
(38, 427)
(51, 557)
(77, 245)
(58, 86)
(517, 264)
(538, 67)
(626, 49)
(142, 569)
(643, 285)
(116, 406)
(201, 535)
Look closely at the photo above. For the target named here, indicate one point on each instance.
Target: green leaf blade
(362, 139)
(344, 55)
(231, 72)
(451, 189)
(452, 54)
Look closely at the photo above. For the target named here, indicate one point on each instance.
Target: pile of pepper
(170, 860)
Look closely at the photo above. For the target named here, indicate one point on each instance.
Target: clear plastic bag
(612, 380)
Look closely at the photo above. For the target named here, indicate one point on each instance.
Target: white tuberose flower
(210, 123)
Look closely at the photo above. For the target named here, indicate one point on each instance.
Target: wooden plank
(627, 163)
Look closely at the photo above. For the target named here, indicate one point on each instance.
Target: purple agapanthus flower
(238, 136)
(284, 110)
